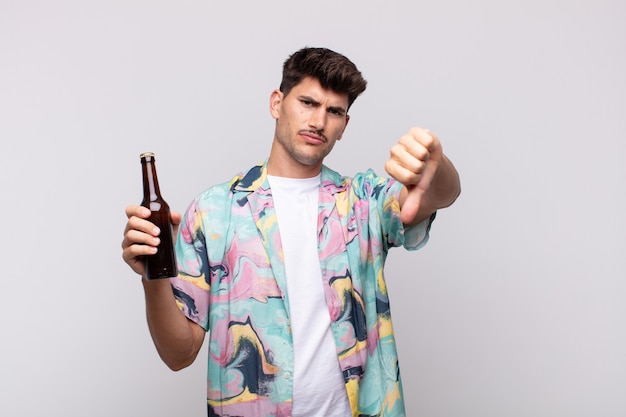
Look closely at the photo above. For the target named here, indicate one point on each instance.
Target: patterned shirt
(232, 283)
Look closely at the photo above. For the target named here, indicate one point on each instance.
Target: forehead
(311, 87)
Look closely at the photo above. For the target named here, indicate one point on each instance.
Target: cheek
(338, 131)
(290, 116)
(283, 128)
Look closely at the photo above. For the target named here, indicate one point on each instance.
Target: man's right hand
(177, 338)
(141, 237)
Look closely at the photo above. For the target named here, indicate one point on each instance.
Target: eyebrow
(337, 109)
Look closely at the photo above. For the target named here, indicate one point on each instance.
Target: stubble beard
(301, 157)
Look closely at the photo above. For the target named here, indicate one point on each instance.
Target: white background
(515, 308)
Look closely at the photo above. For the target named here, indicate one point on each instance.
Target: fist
(414, 161)
(141, 237)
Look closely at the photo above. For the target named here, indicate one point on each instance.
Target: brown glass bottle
(163, 263)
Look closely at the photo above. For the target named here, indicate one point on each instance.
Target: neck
(279, 169)
(281, 165)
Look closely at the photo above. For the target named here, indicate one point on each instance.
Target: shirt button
(287, 375)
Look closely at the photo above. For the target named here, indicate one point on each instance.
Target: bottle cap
(147, 155)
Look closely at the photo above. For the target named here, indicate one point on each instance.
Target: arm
(176, 338)
(430, 180)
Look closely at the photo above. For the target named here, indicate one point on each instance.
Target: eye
(335, 111)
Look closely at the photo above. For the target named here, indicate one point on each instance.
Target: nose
(317, 119)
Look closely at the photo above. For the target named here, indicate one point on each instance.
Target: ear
(276, 99)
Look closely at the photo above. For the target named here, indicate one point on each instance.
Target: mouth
(314, 137)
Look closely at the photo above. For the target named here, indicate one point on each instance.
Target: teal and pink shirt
(232, 283)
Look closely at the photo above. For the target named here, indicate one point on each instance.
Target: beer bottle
(163, 263)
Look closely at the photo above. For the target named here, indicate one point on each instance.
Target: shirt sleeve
(386, 194)
(415, 237)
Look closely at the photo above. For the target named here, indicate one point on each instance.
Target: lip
(313, 138)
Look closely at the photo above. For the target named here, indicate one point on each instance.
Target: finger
(142, 225)
(404, 175)
(137, 251)
(134, 257)
(404, 166)
(414, 147)
(135, 237)
(138, 211)
(425, 137)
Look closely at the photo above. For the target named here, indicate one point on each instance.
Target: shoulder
(244, 181)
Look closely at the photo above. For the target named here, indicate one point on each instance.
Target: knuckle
(395, 149)
(406, 139)
(415, 130)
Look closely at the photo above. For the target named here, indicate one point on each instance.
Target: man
(283, 265)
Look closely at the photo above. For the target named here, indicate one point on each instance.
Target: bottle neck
(151, 191)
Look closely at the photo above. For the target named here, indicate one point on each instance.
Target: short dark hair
(333, 71)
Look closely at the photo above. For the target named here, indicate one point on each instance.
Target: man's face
(309, 120)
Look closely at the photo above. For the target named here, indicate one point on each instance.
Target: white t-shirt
(318, 385)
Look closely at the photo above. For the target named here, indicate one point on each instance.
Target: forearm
(176, 338)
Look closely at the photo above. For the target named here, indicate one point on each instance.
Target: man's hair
(333, 71)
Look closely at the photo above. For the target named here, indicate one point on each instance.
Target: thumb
(175, 217)
(415, 196)
(411, 204)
